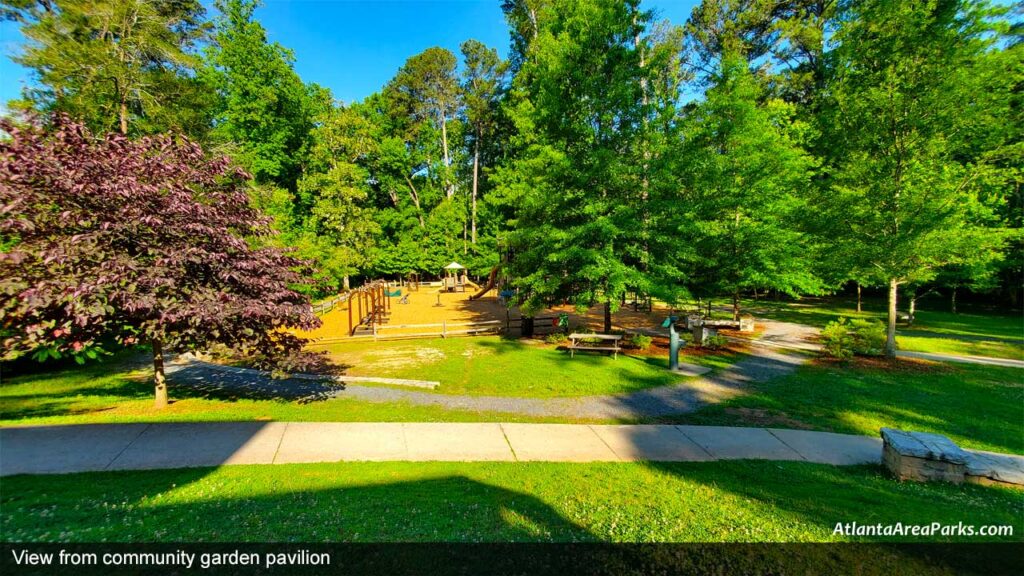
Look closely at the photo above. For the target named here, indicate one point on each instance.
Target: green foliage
(845, 337)
(637, 341)
(747, 177)
(556, 338)
(117, 65)
(264, 109)
(715, 342)
(910, 122)
(572, 187)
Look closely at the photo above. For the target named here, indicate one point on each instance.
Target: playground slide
(489, 286)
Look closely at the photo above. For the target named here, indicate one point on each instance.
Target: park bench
(605, 343)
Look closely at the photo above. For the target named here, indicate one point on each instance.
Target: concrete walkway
(985, 360)
(81, 448)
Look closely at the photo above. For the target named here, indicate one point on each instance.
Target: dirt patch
(397, 358)
(902, 365)
(476, 352)
(765, 418)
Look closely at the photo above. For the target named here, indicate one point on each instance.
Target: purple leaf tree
(145, 240)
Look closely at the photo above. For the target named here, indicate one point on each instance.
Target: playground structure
(491, 280)
(454, 278)
(443, 308)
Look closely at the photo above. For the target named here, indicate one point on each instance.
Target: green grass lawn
(744, 501)
(968, 333)
(120, 391)
(976, 406)
(494, 366)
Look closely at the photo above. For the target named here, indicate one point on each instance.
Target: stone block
(922, 457)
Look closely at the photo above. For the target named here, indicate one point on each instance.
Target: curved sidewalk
(93, 447)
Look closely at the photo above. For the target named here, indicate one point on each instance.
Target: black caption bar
(511, 559)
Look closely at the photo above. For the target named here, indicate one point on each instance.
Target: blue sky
(354, 46)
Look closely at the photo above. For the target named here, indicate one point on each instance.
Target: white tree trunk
(890, 332)
(476, 175)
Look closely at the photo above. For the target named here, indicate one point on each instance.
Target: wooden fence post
(350, 314)
(444, 328)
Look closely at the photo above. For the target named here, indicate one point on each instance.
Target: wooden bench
(577, 342)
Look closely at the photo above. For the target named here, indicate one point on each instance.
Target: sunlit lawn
(505, 367)
(722, 501)
(967, 333)
(977, 406)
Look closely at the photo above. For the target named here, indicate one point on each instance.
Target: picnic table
(605, 343)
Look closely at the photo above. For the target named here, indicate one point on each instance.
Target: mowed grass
(976, 406)
(120, 390)
(738, 501)
(494, 366)
(969, 333)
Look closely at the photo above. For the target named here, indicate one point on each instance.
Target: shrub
(844, 337)
(837, 339)
(868, 336)
(637, 341)
(556, 338)
(716, 342)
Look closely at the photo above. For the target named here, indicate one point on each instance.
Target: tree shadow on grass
(198, 380)
(824, 496)
(185, 505)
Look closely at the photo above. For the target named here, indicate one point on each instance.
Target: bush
(837, 339)
(716, 342)
(637, 341)
(844, 337)
(556, 338)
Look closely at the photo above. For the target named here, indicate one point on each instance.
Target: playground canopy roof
(455, 266)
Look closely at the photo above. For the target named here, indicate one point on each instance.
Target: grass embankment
(968, 333)
(709, 502)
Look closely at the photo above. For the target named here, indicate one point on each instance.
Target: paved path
(962, 359)
(781, 348)
(92, 447)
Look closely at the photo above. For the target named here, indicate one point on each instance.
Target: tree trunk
(890, 331)
(912, 307)
(124, 116)
(159, 379)
(526, 328)
(952, 300)
(449, 189)
(476, 172)
(736, 306)
(607, 317)
(345, 282)
(415, 200)
(859, 309)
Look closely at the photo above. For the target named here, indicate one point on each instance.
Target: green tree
(265, 111)
(119, 65)
(482, 84)
(427, 89)
(577, 106)
(746, 182)
(338, 228)
(906, 81)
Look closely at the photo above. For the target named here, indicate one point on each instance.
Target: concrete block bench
(922, 457)
(925, 457)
